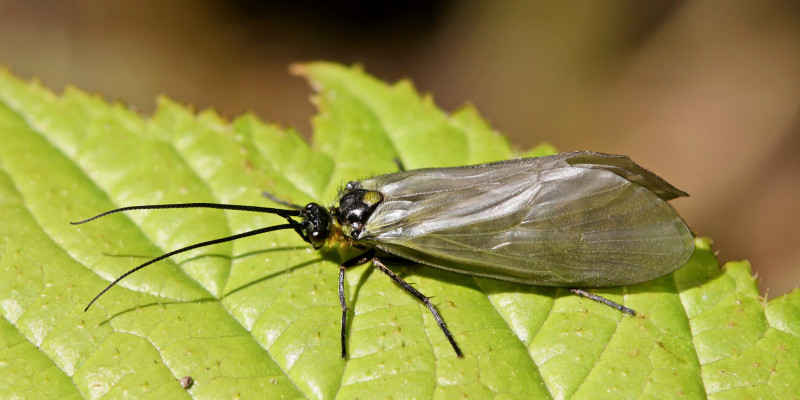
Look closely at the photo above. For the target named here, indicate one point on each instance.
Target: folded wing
(573, 219)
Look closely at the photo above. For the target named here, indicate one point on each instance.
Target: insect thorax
(354, 207)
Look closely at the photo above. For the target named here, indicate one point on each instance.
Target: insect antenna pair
(297, 211)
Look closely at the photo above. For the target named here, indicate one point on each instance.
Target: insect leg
(399, 164)
(421, 297)
(298, 228)
(603, 300)
(345, 265)
(281, 201)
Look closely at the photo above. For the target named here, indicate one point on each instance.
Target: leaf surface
(259, 317)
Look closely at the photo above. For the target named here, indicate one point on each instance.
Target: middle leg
(424, 299)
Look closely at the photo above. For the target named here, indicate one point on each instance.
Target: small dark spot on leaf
(187, 382)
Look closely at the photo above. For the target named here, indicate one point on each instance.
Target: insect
(574, 220)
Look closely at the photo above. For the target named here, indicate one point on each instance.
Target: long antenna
(187, 248)
(277, 211)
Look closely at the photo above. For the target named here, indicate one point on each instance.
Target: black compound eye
(316, 224)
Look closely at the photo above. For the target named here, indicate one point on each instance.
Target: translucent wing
(574, 219)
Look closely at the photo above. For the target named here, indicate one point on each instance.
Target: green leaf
(259, 317)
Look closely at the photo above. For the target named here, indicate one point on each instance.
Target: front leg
(345, 265)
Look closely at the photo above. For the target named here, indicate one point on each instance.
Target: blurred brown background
(705, 93)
